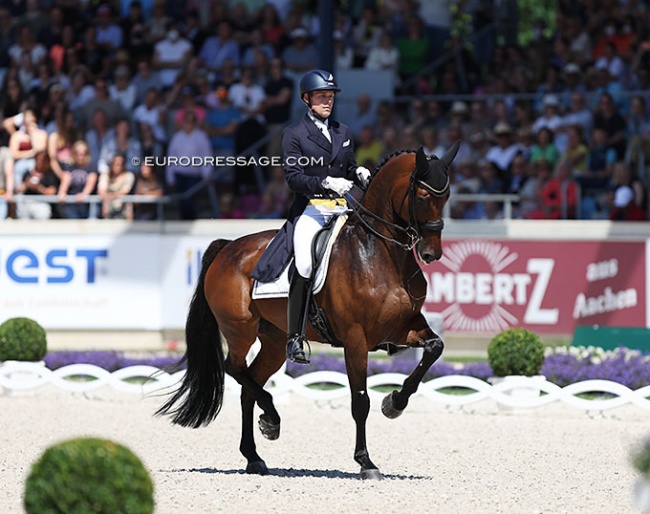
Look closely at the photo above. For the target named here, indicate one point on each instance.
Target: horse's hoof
(388, 407)
(371, 474)
(257, 467)
(269, 429)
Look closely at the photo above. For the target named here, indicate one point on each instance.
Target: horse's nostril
(428, 258)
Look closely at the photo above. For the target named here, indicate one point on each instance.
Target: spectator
(364, 115)
(343, 53)
(612, 122)
(188, 103)
(114, 184)
(623, 179)
(39, 181)
(123, 91)
(26, 46)
(189, 141)
(558, 196)
(505, 149)
(544, 147)
(368, 149)
(134, 32)
(80, 91)
(611, 61)
(144, 80)
(278, 93)
(550, 117)
(109, 34)
(271, 26)
(59, 143)
(301, 54)
(147, 184)
(256, 42)
(385, 56)
(413, 50)
(577, 152)
(152, 113)
(578, 114)
(151, 147)
(529, 192)
(79, 182)
(121, 143)
(158, 25)
(624, 206)
(24, 144)
(430, 142)
(97, 136)
(366, 35)
(221, 126)
(170, 55)
(112, 108)
(218, 49)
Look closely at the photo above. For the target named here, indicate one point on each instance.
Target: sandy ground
(554, 459)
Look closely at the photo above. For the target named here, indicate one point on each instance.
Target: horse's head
(428, 193)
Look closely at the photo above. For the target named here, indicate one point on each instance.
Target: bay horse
(373, 296)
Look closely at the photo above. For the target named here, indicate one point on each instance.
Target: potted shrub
(640, 457)
(88, 475)
(22, 339)
(516, 353)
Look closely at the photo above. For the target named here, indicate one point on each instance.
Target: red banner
(546, 286)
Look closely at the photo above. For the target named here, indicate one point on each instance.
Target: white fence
(516, 392)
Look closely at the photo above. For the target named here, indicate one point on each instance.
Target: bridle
(413, 231)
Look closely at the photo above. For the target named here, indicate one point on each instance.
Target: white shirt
(152, 118)
(126, 97)
(323, 126)
(247, 98)
(169, 51)
(193, 144)
(502, 157)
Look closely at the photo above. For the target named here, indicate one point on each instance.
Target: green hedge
(22, 339)
(516, 351)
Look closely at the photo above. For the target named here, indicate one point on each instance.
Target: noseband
(414, 229)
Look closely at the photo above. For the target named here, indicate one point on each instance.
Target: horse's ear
(450, 155)
(421, 161)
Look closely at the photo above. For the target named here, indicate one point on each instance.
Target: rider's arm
(295, 176)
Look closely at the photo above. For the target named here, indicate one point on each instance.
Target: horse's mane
(388, 157)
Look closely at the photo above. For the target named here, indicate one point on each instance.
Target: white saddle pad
(280, 287)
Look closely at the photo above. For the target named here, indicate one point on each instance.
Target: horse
(372, 297)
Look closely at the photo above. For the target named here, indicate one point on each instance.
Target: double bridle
(414, 228)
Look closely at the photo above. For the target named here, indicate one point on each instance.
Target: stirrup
(296, 351)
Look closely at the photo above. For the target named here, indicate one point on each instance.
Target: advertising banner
(82, 282)
(546, 286)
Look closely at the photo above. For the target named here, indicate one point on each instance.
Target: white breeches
(309, 223)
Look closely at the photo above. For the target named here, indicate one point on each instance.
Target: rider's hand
(339, 185)
(363, 174)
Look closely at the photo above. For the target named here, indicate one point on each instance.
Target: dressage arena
(479, 459)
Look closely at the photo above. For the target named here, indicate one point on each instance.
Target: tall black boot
(297, 307)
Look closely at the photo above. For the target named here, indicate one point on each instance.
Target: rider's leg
(307, 225)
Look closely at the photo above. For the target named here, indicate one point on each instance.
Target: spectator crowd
(108, 98)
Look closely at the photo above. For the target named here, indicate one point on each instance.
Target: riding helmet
(318, 80)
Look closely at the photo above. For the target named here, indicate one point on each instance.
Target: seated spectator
(558, 196)
(151, 147)
(121, 143)
(611, 61)
(59, 142)
(219, 48)
(301, 54)
(114, 184)
(38, 181)
(343, 54)
(413, 49)
(364, 115)
(543, 148)
(577, 152)
(431, 142)
(152, 112)
(578, 114)
(79, 182)
(123, 91)
(146, 184)
(368, 149)
(608, 118)
(278, 93)
(99, 133)
(271, 26)
(109, 35)
(529, 193)
(80, 91)
(170, 55)
(24, 144)
(134, 31)
(600, 161)
(112, 108)
(550, 117)
(221, 126)
(26, 46)
(188, 103)
(505, 149)
(384, 56)
(256, 42)
(624, 207)
(157, 26)
(366, 35)
(144, 80)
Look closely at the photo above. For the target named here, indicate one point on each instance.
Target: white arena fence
(515, 392)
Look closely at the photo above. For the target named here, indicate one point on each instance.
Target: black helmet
(317, 80)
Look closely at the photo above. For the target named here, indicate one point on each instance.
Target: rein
(412, 231)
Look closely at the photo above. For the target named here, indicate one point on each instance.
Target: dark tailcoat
(336, 159)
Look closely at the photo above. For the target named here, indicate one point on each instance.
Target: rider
(320, 168)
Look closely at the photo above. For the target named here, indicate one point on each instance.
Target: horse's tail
(201, 391)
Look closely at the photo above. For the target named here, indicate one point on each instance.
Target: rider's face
(322, 103)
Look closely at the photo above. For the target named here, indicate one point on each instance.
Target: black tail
(201, 392)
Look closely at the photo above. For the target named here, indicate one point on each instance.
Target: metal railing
(506, 199)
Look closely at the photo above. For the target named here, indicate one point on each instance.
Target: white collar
(317, 121)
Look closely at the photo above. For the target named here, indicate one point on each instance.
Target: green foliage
(88, 475)
(22, 339)
(532, 10)
(516, 351)
(641, 458)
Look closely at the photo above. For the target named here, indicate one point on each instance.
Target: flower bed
(562, 365)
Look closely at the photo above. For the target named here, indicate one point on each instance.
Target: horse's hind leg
(394, 404)
(266, 363)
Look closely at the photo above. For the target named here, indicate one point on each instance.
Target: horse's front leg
(394, 404)
(356, 362)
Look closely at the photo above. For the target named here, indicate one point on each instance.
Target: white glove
(363, 174)
(339, 185)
